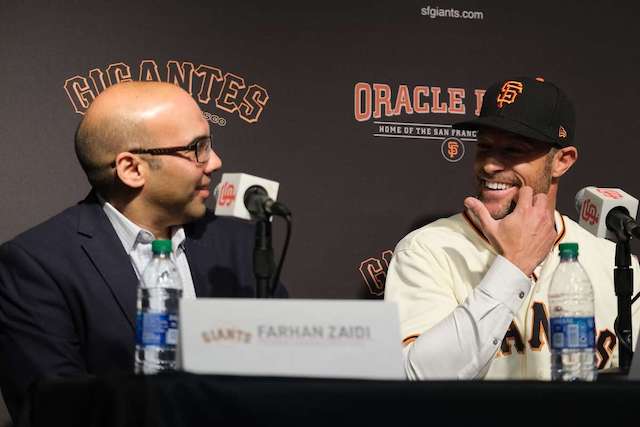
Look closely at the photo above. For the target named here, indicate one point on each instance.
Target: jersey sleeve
(446, 338)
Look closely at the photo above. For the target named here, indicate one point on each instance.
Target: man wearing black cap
(472, 288)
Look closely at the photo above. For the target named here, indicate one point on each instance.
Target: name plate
(291, 337)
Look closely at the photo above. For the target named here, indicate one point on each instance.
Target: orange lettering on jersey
(513, 336)
(509, 92)
(605, 344)
(539, 326)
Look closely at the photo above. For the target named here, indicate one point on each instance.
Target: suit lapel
(197, 257)
(105, 250)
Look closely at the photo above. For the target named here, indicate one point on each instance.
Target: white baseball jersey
(466, 312)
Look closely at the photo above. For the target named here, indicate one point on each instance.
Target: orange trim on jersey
(562, 233)
(409, 339)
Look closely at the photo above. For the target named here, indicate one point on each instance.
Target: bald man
(68, 286)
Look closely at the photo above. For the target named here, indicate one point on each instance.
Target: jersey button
(521, 295)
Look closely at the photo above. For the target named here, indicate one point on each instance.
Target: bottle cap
(568, 249)
(160, 246)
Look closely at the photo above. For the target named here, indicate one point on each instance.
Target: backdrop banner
(348, 105)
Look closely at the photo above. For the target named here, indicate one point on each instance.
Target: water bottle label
(572, 333)
(158, 329)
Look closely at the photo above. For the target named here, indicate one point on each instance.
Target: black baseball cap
(530, 107)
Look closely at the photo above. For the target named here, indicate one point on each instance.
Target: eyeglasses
(202, 147)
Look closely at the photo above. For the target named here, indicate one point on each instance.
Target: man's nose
(492, 163)
(214, 163)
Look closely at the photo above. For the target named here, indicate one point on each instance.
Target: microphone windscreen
(216, 191)
(594, 204)
(579, 198)
(230, 193)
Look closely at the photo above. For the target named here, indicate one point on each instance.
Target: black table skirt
(182, 399)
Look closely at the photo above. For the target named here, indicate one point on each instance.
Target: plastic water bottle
(572, 326)
(157, 319)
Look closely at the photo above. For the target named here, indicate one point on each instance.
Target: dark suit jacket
(68, 293)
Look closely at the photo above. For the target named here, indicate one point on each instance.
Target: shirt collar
(131, 234)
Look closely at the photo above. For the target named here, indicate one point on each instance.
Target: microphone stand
(623, 282)
(263, 262)
(261, 208)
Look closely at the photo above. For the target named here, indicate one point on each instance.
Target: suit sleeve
(37, 333)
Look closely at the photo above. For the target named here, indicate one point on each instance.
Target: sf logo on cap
(509, 92)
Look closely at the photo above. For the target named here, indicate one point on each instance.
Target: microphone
(245, 196)
(607, 212)
(257, 195)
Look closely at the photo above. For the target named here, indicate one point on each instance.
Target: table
(183, 399)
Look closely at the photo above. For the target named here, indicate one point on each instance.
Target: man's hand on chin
(525, 236)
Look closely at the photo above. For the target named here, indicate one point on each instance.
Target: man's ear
(131, 170)
(563, 159)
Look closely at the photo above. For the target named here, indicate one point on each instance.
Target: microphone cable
(285, 247)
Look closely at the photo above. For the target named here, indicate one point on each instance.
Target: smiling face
(504, 163)
(155, 190)
(178, 186)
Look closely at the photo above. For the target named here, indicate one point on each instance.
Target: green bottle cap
(568, 250)
(161, 246)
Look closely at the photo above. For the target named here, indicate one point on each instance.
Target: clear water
(571, 295)
(573, 365)
(151, 359)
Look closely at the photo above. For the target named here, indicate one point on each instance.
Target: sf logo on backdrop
(381, 105)
(210, 86)
(452, 149)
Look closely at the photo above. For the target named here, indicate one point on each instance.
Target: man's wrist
(505, 282)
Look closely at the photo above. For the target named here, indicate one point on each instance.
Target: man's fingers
(479, 211)
(540, 201)
(525, 198)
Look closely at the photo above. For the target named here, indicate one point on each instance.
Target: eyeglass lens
(203, 150)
